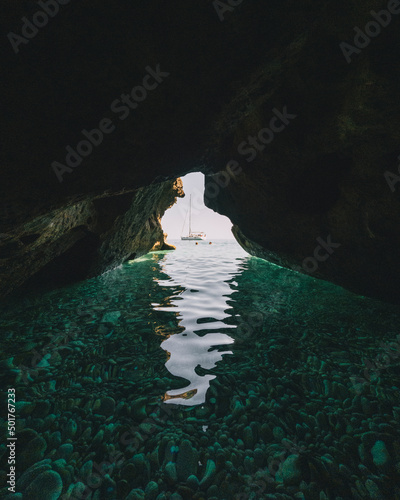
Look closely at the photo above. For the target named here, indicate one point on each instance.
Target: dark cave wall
(323, 174)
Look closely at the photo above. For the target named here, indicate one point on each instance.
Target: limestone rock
(291, 471)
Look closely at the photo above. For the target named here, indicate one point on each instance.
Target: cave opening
(190, 214)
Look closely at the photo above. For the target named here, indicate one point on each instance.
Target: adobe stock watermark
(222, 7)
(44, 357)
(252, 323)
(391, 178)
(373, 369)
(40, 19)
(269, 474)
(310, 264)
(372, 29)
(122, 107)
(221, 179)
(265, 136)
(250, 149)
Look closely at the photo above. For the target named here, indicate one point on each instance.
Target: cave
(260, 365)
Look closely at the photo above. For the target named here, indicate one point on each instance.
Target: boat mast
(184, 222)
(190, 216)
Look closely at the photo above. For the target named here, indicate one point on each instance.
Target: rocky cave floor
(284, 419)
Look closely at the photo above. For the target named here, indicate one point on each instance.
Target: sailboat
(191, 235)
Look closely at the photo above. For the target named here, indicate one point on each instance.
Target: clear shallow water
(271, 376)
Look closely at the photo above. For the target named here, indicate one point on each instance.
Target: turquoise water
(203, 373)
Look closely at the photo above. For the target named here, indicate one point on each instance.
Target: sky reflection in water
(201, 309)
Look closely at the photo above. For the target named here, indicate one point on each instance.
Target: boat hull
(193, 238)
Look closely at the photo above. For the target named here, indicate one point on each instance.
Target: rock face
(161, 92)
(87, 238)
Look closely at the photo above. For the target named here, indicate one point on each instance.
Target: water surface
(280, 381)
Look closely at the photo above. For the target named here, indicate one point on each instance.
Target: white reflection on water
(186, 353)
(202, 272)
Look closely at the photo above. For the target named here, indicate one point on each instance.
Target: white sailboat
(192, 235)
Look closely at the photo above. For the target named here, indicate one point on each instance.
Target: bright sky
(215, 226)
